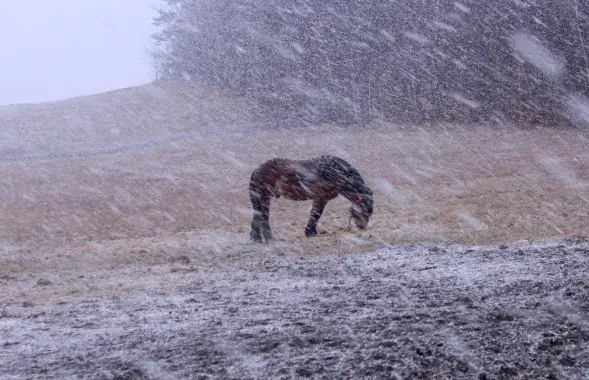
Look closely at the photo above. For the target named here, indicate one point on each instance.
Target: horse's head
(351, 185)
(362, 207)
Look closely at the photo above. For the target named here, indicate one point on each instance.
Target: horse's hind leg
(316, 212)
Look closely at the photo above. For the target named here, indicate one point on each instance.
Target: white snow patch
(578, 107)
(230, 157)
(387, 35)
(245, 211)
(468, 102)
(533, 51)
(521, 4)
(298, 47)
(384, 186)
(477, 224)
(354, 240)
(573, 314)
(186, 76)
(461, 349)
(284, 52)
(444, 26)
(555, 167)
(461, 7)
(538, 21)
(404, 174)
(417, 37)
(460, 64)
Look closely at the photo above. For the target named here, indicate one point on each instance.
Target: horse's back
(267, 174)
(270, 169)
(293, 179)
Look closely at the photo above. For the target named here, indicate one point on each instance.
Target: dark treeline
(404, 60)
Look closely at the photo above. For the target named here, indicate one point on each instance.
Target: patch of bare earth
(125, 252)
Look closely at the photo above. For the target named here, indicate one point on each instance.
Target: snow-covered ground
(124, 250)
(413, 311)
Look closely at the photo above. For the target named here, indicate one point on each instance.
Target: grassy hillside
(172, 161)
(139, 115)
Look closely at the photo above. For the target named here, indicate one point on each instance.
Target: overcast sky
(56, 49)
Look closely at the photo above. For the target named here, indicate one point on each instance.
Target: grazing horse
(320, 179)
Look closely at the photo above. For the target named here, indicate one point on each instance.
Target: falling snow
(537, 54)
(125, 216)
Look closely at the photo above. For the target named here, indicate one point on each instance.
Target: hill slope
(114, 120)
(172, 157)
(124, 221)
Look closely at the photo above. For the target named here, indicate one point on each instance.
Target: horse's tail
(255, 191)
(260, 223)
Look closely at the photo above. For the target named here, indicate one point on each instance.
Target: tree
(405, 60)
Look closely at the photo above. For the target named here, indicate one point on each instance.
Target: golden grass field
(146, 204)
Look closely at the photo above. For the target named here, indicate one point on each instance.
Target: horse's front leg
(316, 211)
(257, 220)
(266, 231)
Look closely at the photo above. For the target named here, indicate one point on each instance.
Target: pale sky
(56, 49)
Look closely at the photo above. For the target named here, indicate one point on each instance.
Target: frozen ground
(413, 311)
(124, 249)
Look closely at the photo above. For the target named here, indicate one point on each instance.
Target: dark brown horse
(320, 179)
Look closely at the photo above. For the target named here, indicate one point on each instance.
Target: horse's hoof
(310, 233)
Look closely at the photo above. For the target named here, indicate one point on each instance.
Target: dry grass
(470, 186)
(151, 205)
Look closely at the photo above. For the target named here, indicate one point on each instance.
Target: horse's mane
(345, 174)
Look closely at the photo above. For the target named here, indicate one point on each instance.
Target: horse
(319, 179)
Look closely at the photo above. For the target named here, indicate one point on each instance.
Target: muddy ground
(416, 311)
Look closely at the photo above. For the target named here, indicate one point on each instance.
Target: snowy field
(414, 311)
(125, 254)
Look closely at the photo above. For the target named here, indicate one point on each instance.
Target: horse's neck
(340, 168)
(337, 170)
